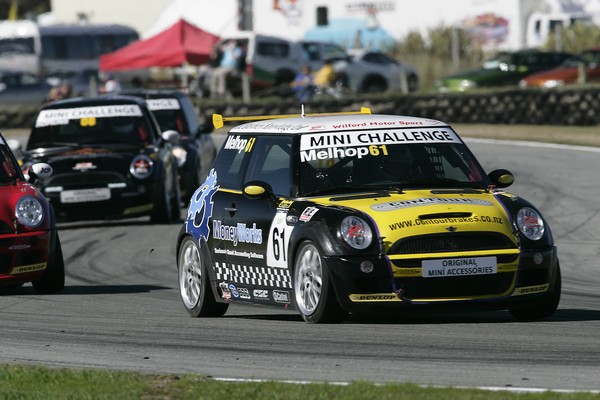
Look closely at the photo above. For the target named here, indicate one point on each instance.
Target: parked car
(30, 249)
(196, 149)
(271, 62)
(22, 88)
(337, 214)
(584, 67)
(110, 159)
(371, 71)
(506, 69)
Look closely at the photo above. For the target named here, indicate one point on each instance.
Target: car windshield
(9, 170)
(168, 114)
(90, 126)
(390, 166)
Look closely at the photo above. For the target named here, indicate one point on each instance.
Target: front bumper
(23, 256)
(397, 282)
(102, 201)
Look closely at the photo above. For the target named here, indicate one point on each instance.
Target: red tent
(181, 42)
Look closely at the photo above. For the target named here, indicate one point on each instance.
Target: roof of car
(333, 123)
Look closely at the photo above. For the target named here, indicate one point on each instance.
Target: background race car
(109, 157)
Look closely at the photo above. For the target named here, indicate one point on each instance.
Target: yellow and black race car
(354, 213)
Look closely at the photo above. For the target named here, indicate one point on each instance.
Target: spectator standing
(230, 60)
(303, 83)
(325, 76)
(111, 84)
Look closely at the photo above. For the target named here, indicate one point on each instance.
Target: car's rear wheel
(194, 285)
(313, 290)
(542, 307)
(53, 280)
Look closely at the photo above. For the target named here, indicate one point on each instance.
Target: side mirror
(170, 136)
(39, 171)
(257, 190)
(501, 178)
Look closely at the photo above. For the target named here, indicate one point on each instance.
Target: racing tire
(194, 286)
(53, 280)
(175, 200)
(542, 307)
(313, 291)
(162, 213)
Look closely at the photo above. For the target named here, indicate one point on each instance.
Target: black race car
(109, 157)
(337, 214)
(196, 149)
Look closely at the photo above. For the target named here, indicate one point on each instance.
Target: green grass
(36, 382)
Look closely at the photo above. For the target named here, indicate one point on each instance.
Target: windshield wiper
(354, 188)
(443, 183)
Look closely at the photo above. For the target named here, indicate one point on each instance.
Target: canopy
(180, 43)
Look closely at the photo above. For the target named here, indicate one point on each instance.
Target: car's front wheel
(53, 280)
(544, 306)
(194, 285)
(313, 290)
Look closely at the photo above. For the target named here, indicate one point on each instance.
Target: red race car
(30, 249)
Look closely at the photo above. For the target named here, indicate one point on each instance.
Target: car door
(247, 223)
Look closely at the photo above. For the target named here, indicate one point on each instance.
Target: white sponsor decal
(239, 144)
(260, 294)
(362, 138)
(240, 233)
(84, 195)
(63, 115)
(459, 267)
(427, 201)
(163, 104)
(308, 213)
(281, 296)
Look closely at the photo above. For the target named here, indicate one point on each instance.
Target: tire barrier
(577, 107)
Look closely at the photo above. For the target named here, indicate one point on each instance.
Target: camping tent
(180, 43)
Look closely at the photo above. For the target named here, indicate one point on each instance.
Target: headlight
(466, 85)
(530, 223)
(553, 83)
(29, 211)
(180, 155)
(356, 232)
(141, 167)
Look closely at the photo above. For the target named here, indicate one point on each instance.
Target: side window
(274, 49)
(332, 51)
(230, 164)
(310, 52)
(270, 162)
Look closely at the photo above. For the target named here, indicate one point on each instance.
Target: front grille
(464, 286)
(5, 228)
(456, 286)
(451, 242)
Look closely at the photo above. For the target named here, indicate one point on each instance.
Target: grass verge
(37, 382)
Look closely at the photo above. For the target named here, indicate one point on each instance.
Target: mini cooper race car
(30, 248)
(109, 157)
(360, 213)
(196, 149)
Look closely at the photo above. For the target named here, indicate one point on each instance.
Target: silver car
(371, 71)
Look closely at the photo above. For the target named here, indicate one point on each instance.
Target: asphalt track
(121, 308)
